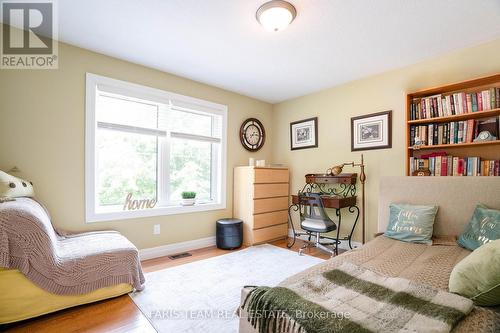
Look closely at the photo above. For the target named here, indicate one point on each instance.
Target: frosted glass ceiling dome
(276, 15)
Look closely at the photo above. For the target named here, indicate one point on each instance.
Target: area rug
(202, 296)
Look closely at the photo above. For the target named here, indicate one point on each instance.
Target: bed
(428, 265)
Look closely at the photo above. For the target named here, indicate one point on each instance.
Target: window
(144, 147)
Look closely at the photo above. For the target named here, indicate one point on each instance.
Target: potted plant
(188, 198)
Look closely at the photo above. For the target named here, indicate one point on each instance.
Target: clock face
(252, 134)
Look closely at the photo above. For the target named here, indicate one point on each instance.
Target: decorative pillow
(12, 187)
(477, 276)
(484, 226)
(410, 223)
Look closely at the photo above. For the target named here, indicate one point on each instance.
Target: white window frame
(218, 186)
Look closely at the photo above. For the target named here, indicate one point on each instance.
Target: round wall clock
(252, 134)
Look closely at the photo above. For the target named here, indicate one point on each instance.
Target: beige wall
(42, 130)
(42, 133)
(387, 91)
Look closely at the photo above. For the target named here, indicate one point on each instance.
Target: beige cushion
(318, 225)
(477, 276)
(13, 187)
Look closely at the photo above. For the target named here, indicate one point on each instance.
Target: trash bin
(229, 233)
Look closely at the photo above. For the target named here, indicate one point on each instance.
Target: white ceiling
(219, 42)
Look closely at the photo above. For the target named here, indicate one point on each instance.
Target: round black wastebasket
(229, 233)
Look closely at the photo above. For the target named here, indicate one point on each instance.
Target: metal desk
(337, 192)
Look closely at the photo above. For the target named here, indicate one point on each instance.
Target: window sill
(92, 217)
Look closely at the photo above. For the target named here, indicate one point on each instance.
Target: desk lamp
(337, 169)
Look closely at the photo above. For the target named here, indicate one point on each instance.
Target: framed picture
(304, 133)
(371, 131)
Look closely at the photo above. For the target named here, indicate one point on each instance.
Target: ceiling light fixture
(276, 15)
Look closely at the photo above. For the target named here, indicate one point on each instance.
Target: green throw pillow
(484, 226)
(411, 223)
(477, 276)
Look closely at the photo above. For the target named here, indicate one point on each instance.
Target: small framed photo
(304, 134)
(371, 131)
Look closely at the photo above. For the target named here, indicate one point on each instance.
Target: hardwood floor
(120, 314)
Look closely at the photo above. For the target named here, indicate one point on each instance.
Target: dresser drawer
(271, 176)
(270, 233)
(270, 190)
(270, 205)
(268, 219)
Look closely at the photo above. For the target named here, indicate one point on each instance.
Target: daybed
(429, 265)
(44, 271)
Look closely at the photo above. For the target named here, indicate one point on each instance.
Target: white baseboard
(343, 243)
(169, 249)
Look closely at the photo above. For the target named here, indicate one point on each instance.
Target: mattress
(431, 265)
(21, 299)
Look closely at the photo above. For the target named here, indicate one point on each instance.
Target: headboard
(456, 197)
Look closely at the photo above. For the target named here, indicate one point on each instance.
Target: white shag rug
(203, 296)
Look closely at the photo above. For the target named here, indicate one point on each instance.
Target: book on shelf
(440, 164)
(455, 132)
(454, 104)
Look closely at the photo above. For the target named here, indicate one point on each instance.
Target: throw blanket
(353, 299)
(64, 265)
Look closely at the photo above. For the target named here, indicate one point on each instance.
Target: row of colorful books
(440, 164)
(453, 132)
(453, 104)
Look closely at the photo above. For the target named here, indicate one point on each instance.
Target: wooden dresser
(261, 201)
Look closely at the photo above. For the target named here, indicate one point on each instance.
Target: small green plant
(188, 195)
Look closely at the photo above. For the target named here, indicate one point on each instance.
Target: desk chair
(315, 221)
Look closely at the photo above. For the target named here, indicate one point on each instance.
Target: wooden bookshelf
(458, 145)
(486, 150)
(457, 117)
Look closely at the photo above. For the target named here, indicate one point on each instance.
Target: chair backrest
(311, 207)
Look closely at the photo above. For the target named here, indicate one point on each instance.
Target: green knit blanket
(353, 299)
